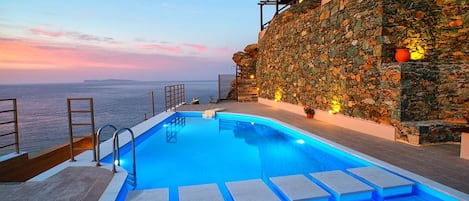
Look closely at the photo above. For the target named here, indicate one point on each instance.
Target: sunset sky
(70, 41)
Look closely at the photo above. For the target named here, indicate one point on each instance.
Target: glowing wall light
(335, 106)
(416, 48)
(278, 95)
(252, 76)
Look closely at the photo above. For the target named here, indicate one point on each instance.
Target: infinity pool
(187, 149)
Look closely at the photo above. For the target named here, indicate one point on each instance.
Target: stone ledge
(432, 131)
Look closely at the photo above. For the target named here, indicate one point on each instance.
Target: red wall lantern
(402, 55)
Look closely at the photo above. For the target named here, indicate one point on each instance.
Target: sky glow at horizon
(70, 41)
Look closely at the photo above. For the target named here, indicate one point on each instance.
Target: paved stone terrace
(440, 163)
(72, 183)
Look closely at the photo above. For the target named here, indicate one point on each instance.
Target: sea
(43, 112)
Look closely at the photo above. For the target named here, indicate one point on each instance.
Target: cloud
(198, 48)
(42, 32)
(164, 48)
(77, 36)
(23, 61)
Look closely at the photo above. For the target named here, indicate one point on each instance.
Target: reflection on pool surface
(186, 149)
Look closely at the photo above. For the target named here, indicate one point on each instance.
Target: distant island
(109, 81)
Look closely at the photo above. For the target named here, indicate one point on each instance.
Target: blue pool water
(186, 149)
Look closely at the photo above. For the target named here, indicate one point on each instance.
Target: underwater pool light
(300, 141)
(119, 162)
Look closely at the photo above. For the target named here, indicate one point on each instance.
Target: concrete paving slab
(386, 183)
(250, 190)
(300, 188)
(160, 194)
(205, 192)
(345, 187)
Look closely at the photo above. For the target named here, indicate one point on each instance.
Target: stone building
(338, 56)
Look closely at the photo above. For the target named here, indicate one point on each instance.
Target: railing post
(183, 93)
(262, 16)
(93, 137)
(15, 114)
(173, 96)
(70, 129)
(153, 102)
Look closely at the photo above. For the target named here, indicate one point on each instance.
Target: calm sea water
(42, 108)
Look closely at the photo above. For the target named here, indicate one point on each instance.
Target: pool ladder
(132, 178)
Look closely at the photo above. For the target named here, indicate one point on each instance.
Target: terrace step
(250, 190)
(344, 186)
(200, 192)
(298, 187)
(385, 183)
(160, 194)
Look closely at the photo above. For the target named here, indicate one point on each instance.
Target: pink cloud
(165, 48)
(39, 31)
(199, 48)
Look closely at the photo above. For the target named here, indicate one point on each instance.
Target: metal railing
(98, 141)
(174, 95)
(14, 121)
(286, 4)
(71, 124)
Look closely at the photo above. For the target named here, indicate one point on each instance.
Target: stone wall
(340, 56)
(440, 27)
(421, 91)
(422, 95)
(326, 57)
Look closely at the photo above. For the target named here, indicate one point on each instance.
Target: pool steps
(150, 194)
(298, 187)
(385, 183)
(344, 186)
(249, 190)
(356, 183)
(200, 192)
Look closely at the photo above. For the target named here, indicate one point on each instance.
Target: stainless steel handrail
(115, 151)
(98, 140)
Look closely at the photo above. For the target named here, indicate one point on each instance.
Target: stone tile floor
(72, 183)
(440, 163)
